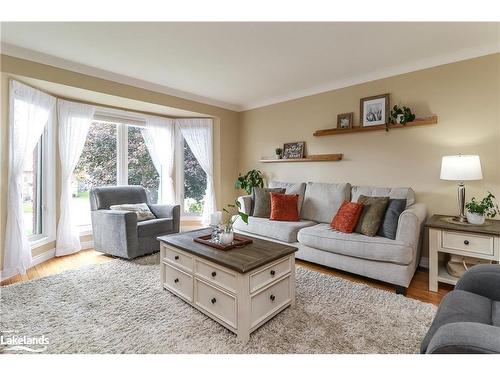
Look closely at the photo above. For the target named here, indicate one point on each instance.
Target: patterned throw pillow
(141, 210)
(372, 215)
(262, 201)
(284, 207)
(347, 217)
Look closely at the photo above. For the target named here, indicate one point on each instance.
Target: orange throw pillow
(347, 217)
(284, 207)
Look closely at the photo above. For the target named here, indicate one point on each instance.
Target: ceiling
(247, 65)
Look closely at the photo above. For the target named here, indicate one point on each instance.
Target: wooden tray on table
(238, 241)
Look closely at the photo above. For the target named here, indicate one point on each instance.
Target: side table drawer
(472, 243)
(216, 302)
(178, 258)
(178, 282)
(266, 302)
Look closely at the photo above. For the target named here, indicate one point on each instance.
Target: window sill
(39, 242)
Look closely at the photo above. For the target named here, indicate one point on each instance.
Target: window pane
(195, 183)
(96, 167)
(141, 170)
(32, 205)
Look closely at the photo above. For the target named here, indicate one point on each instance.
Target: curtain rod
(106, 105)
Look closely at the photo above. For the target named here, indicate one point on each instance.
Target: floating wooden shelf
(309, 158)
(360, 129)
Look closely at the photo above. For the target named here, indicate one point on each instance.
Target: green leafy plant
(228, 226)
(251, 179)
(396, 111)
(485, 207)
(279, 152)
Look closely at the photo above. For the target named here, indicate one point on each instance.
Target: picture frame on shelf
(293, 150)
(345, 120)
(374, 110)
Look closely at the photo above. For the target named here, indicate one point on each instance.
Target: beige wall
(465, 96)
(226, 130)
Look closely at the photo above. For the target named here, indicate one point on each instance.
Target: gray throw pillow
(262, 201)
(371, 217)
(389, 225)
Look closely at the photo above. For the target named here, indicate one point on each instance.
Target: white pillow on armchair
(141, 210)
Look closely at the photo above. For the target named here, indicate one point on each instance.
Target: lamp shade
(461, 168)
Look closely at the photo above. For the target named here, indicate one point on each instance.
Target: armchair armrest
(114, 231)
(410, 224)
(246, 204)
(483, 279)
(168, 211)
(465, 338)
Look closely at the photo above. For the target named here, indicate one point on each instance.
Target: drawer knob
(272, 297)
(214, 274)
(176, 257)
(273, 272)
(213, 300)
(176, 281)
(466, 242)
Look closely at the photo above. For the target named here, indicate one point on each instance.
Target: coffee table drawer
(267, 275)
(178, 282)
(179, 258)
(472, 243)
(269, 300)
(216, 302)
(216, 275)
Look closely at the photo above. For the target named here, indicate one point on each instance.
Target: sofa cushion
(262, 201)
(459, 306)
(323, 237)
(291, 188)
(284, 207)
(154, 227)
(323, 200)
(285, 231)
(347, 217)
(393, 193)
(371, 217)
(389, 226)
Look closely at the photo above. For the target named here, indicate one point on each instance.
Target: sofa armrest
(465, 338)
(410, 224)
(483, 279)
(168, 211)
(114, 231)
(246, 204)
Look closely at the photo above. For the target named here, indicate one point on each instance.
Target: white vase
(475, 219)
(226, 238)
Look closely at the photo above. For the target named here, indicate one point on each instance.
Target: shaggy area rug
(119, 307)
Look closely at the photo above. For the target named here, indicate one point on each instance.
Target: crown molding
(42, 58)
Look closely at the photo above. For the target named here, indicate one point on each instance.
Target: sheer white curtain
(30, 110)
(159, 139)
(198, 133)
(74, 122)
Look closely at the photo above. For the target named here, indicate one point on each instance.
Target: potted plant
(227, 235)
(251, 179)
(279, 153)
(477, 211)
(400, 115)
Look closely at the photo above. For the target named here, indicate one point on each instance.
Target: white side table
(477, 241)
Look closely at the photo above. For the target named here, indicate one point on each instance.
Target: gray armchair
(468, 318)
(118, 232)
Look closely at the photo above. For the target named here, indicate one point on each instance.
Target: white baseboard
(46, 255)
(424, 262)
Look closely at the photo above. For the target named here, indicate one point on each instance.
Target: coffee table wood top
(242, 260)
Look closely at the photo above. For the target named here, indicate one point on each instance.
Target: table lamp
(461, 168)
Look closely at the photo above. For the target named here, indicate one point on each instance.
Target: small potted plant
(477, 211)
(279, 153)
(400, 115)
(227, 235)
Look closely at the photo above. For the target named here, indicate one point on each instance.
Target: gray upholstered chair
(118, 232)
(468, 318)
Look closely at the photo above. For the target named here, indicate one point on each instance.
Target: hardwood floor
(418, 288)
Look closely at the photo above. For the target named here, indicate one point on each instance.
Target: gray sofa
(392, 261)
(118, 233)
(468, 318)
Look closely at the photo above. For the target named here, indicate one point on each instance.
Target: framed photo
(344, 120)
(294, 150)
(374, 110)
